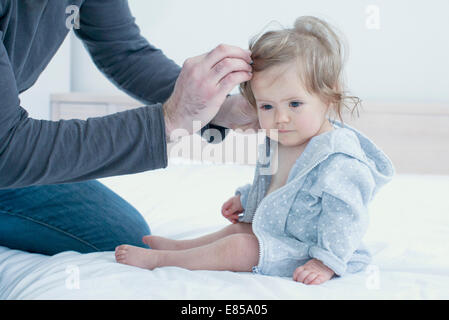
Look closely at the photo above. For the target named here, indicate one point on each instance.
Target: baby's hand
(313, 272)
(232, 208)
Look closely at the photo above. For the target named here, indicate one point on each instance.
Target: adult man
(49, 201)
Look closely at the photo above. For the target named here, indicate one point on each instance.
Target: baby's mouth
(284, 131)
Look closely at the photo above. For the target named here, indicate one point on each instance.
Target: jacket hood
(362, 148)
(346, 140)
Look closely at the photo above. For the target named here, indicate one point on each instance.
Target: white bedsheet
(408, 235)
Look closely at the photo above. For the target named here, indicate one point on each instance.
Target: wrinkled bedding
(408, 237)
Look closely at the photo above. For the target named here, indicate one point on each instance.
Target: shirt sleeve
(37, 152)
(345, 193)
(247, 215)
(243, 192)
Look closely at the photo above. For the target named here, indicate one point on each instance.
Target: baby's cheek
(307, 126)
(265, 124)
(303, 125)
(263, 120)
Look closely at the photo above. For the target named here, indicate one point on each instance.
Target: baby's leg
(236, 252)
(161, 243)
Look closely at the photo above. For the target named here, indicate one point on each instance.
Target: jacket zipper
(310, 168)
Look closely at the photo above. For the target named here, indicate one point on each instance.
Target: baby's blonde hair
(318, 52)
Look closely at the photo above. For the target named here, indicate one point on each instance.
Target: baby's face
(284, 104)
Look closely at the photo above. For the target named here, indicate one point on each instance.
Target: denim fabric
(322, 210)
(83, 217)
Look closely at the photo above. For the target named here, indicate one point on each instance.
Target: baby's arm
(343, 220)
(244, 194)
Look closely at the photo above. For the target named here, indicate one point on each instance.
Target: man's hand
(202, 87)
(237, 113)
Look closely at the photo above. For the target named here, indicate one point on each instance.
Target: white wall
(405, 60)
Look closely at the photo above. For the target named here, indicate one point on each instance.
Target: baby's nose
(282, 116)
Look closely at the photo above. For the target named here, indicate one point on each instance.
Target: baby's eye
(266, 107)
(295, 104)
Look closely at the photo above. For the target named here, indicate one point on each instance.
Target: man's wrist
(220, 118)
(167, 120)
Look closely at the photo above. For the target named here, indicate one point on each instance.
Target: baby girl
(307, 218)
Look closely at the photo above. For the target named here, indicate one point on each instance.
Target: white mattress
(408, 237)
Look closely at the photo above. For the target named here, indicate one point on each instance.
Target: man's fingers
(200, 91)
(227, 66)
(232, 80)
(226, 51)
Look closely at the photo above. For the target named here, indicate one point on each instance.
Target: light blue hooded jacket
(322, 210)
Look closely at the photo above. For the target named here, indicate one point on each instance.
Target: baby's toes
(120, 253)
(121, 249)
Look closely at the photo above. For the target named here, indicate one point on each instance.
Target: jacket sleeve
(37, 152)
(243, 192)
(345, 191)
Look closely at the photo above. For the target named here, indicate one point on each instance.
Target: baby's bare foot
(161, 243)
(313, 272)
(138, 257)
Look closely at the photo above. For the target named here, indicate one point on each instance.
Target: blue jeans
(84, 217)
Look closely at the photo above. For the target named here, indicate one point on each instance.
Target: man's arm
(37, 152)
(111, 36)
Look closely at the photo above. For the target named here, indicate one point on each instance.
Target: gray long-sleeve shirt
(37, 152)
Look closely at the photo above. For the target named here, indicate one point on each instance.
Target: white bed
(408, 236)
